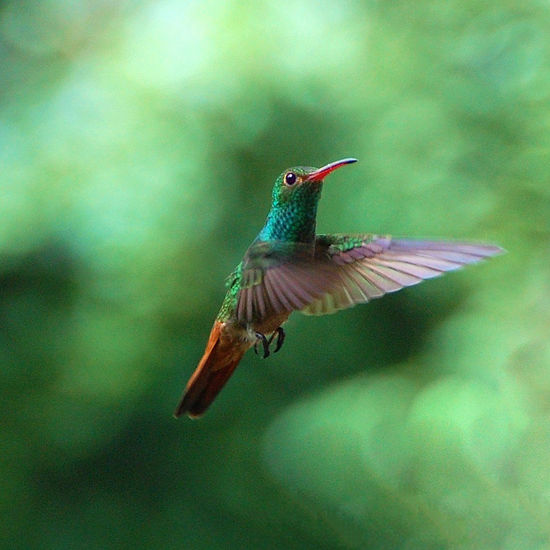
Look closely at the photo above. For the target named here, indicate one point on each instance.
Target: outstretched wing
(341, 271)
(369, 266)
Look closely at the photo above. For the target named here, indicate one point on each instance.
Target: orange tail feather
(220, 359)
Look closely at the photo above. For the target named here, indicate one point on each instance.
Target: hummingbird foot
(265, 344)
(280, 339)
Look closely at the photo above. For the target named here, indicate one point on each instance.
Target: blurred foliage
(138, 145)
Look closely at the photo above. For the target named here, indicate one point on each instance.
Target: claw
(280, 339)
(265, 344)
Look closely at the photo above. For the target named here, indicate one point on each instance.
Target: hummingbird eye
(290, 178)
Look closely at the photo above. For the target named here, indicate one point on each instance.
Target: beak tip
(321, 173)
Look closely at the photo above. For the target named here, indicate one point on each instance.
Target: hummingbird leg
(280, 339)
(265, 344)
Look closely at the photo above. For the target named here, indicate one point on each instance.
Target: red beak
(321, 173)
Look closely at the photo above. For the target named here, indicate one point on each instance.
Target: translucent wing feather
(370, 266)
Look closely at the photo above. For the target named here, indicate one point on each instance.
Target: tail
(220, 359)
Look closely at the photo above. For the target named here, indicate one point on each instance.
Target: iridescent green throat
(292, 215)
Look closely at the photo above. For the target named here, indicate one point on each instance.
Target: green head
(294, 208)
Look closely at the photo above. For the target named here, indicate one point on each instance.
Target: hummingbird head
(295, 197)
(301, 176)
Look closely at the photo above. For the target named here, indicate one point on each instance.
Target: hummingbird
(288, 267)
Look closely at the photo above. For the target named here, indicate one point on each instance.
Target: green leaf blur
(138, 145)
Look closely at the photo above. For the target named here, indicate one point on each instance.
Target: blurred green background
(138, 145)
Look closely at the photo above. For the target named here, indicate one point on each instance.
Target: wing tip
(495, 250)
